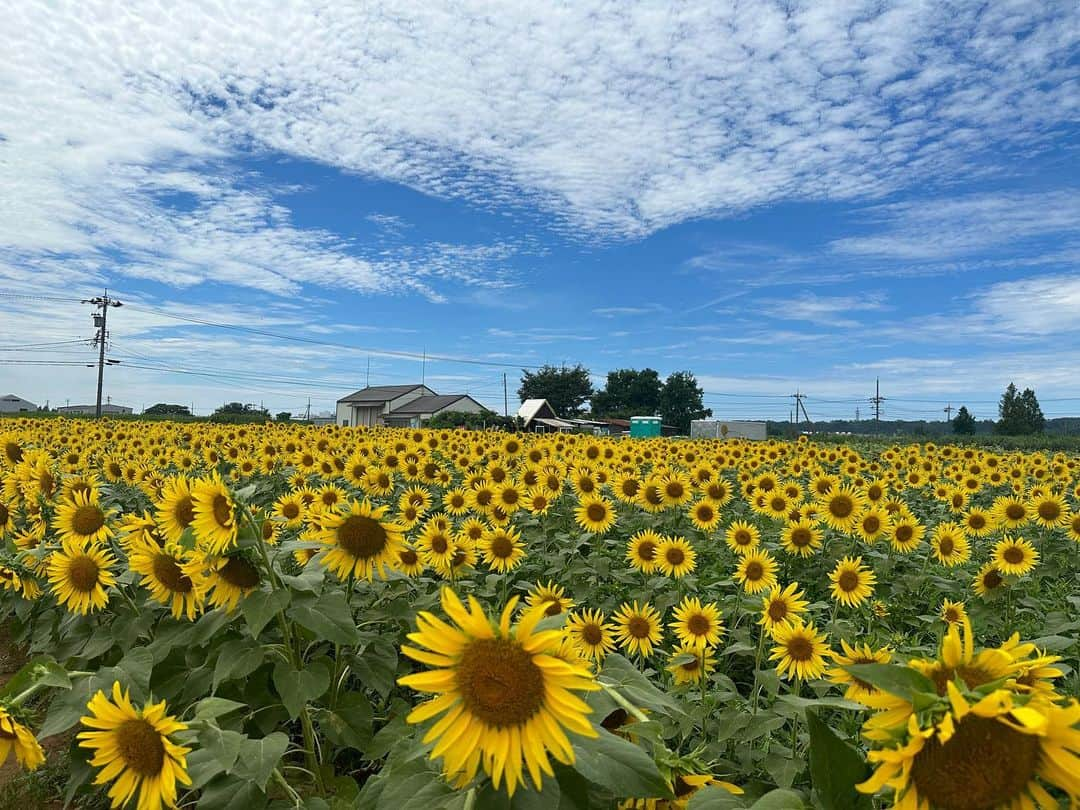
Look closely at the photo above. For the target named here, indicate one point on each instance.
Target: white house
(399, 406)
(537, 416)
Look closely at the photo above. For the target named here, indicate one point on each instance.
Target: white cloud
(825, 310)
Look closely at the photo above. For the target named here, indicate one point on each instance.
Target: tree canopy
(472, 421)
(164, 409)
(566, 389)
(681, 400)
(628, 392)
(1020, 414)
(963, 424)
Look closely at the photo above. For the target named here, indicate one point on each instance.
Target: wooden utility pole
(506, 399)
(877, 399)
(948, 412)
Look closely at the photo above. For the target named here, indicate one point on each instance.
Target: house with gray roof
(399, 406)
(16, 404)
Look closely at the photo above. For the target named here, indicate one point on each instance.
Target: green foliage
(628, 392)
(836, 767)
(472, 421)
(163, 409)
(681, 401)
(963, 424)
(566, 389)
(1020, 413)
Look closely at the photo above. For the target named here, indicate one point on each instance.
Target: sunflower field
(283, 616)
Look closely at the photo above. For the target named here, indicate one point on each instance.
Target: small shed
(537, 416)
(642, 427)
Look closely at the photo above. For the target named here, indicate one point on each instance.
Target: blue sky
(778, 197)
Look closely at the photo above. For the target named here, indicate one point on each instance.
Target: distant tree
(163, 409)
(681, 401)
(473, 421)
(963, 424)
(628, 392)
(284, 416)
(565, 389)
(238, 411)
(1020, 414)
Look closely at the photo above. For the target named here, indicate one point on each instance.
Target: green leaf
(895, 679)
(42, 670)
(829, 702)
(67, 707)
(636, 688)
(376, 665)
(328, 617)
(137, 665)
(212, 708)
(714, 798)
(237, 659)
(259, 607)
(779, 800)
(620, 766)
(222, 744)
(230, 792)
(187, 539)
(835, 768)
(258, 758)
(349, 725)
(299, 687)
(202, 766)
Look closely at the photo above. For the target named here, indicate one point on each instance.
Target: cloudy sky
(777, 196)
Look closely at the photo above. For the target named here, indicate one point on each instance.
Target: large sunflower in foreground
(175, 510)
(79, 573)
(362, 544)
(505, 698)
(214, 521)
(132, 747)
(82, 518)
(17, 739)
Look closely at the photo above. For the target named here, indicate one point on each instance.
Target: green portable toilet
(643, 427)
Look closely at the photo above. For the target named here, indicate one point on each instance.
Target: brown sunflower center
(87, 520)
(362, 537)
(1013, 555)
(140, 746)
(778, 504)
(801, 537)
(183, 511)
(1014, 511)
(946, 546)
(239, 573)
(985, 764)
(1049, 510)
(83, 573)
(439, 544)
(705, 513)
(646, 550)
(291, 511)
(871, 524)
(408, 557)
(596, 512)
(778, 610)
(554, 607)
(639, 627)
(653, 496)
(848, 581)
(841, 506)
(754, 571)
(222, 511)
(13, 452)
(743, 538)
(976, 521)
(698, 624)
(629, 487)
(502, 546)
(499, 682)
(904, 533)
(4, 514)
(167, 571)
(592, 634)
(799, 648)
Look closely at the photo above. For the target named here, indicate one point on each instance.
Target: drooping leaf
(258, 758)
(620, 766)
(300, 686)
(895, 679)
(835, 768)
(328, 617)
(259, 607)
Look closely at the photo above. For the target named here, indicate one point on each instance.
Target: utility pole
(798, 396)
(307, 413)
(506, 400)
(102, 303)
(368, 383)
(856, 413)
(423, 366)
(877, 399)
(948, 412)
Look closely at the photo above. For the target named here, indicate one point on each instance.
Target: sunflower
(290, 508)
(163, 574)
(953, 612)
(872, 523)
(989, 581)
(801, 537)
(906, 535)
(226, 580)
(7, 518)
(471, 529)
(718, 491)
(1049, 511)
(800, 650)
(537, 501)
(1010, 513)
(361, 543)
(595, 514)
(857, 689)
(742, 537)
(697, 624)
(82, 518)
(215, 514)
(782, 605)
(436, 546)
(551, 597)
(950, 544)
(675, 557)
(79, 573)
(638, 628)
(641, 550)
(840, 507)
(756, 571)
(17, 739)
(455, 502)
(175, 509)
(852, 582)
(1015, 557)
(704, 514)
(502, 548)
(409, 562)
(651, 496)
(590, 631)
(675, 489)
(691, 664)
(133, 749)
(626, 487)
(505, 699)
(977, 522)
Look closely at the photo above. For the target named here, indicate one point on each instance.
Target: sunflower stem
(757, 666)
(624, 704)
(281, 780)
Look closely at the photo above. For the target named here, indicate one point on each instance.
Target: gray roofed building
(16, 404)
(380, 393)
(419, 410)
